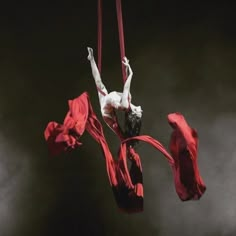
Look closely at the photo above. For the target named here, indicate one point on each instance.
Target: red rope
(100, 36)
(121, 35)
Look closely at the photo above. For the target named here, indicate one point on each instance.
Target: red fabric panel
(121, 35)
(59, 139)
(66, 136)
(183, 146)
(100, 36)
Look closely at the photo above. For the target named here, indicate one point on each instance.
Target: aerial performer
(110, 102)
(127, 182)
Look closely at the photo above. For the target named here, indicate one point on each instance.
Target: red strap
(121, 35)
(100, 36)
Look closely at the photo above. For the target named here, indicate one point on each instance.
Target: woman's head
(136, 110)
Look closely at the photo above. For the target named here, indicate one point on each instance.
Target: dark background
(183, 55)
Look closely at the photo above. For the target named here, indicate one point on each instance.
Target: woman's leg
(102, 91)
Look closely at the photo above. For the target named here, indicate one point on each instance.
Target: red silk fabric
(100, 36)
(127, 184)
(183, 147)
(121, 35)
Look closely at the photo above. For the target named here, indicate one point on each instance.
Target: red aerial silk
(121, 35)
(183, 147)
(120, 31)
(127, 184)
(99, 36)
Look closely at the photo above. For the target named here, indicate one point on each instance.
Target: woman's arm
(126, 90)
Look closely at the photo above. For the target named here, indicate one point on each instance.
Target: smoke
(13, 177)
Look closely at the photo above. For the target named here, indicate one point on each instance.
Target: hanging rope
(121, 35)
(100, 36)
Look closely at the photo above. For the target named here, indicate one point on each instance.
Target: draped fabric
(183, 147)
(127, 183)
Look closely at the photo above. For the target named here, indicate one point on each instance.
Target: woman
(109, 102)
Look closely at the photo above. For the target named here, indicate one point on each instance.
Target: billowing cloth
(183, 147)
(183, 159)
(65, 137)
(127, 184)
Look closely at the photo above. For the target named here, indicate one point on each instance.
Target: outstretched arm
(96, 75)
(126, 90)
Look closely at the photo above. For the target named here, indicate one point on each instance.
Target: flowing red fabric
(100, 36)
(183, 147)
(121, 35)
(127, 184)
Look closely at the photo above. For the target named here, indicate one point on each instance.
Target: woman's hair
(132, 126)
